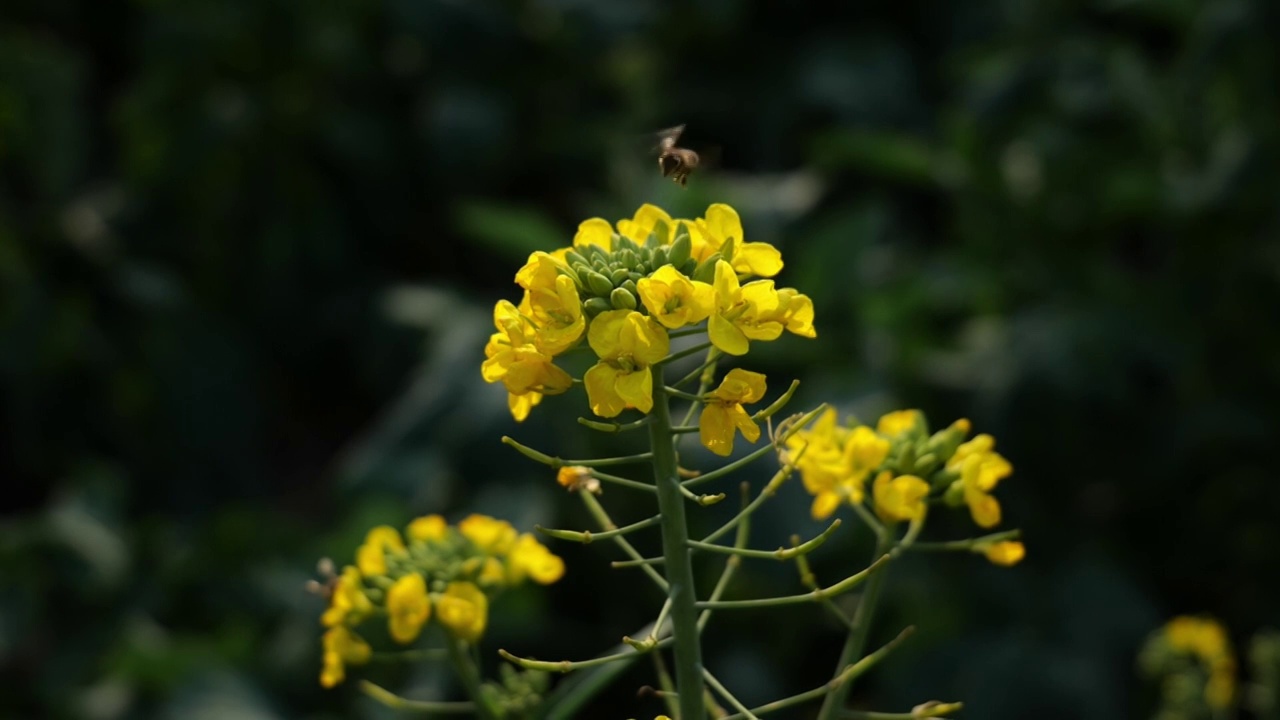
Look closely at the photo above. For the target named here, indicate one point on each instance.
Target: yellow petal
(596, 231)
(602, 396)
(464, 610)
(761, 259)
(604, 334)
(824, 505)
(636, 389)
(715, 429)
(984, 508)
(899, 421)
(724, 223)
(407, 608)
(648, 219)
(520, 405)
(1005, 553)
(726, 336)
(429, 528)
(741, 386)
(744, 423)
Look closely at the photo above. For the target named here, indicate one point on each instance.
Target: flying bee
(674, 162)
(326, 570)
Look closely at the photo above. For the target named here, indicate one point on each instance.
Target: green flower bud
(679, 250)
(575, 260)
(636, 276)
(595, 306)
(944, 478)
(688, 267)
(622, 243)
(954, 495)
(628, 258)
(926, 464)
(661, 234)
(583, 273)
(621, 299)
(630, 286)
(658, 258)
(617, 276)
(598, 264)
(599, 284)
(728, 248)
(706, 270)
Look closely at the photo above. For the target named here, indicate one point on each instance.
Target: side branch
(779, 554)
(586, 537)
(839, 588)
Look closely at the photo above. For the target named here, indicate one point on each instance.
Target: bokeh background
(249, 250)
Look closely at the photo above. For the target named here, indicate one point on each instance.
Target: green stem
(833, 704)
(469, 674)
(679, 565)
(391, 700)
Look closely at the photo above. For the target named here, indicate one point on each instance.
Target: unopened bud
(621, 299)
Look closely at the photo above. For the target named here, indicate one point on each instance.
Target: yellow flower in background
(981, 469)
(649, 219)
(348, 599)
(596, 231)
(899, 498)
(530, 558)
(371, 557)
(675, 300)
(428, 528)
(513, 358)
(893, 424)
(722, 413)
(489, 534)
(463, 609)
(1207, 641)
(627, 343)
(1007, 553)
(408, 608)
(864, 452)
(722, 225)
(520, 405)
(576, 477)
(836, 461)
(341, 648)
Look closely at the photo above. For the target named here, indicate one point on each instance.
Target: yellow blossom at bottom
(1008, 553)
(463, 609)
(341, 648)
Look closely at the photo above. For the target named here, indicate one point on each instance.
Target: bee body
(675, 162)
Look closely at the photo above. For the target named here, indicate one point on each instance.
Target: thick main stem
(856, 642)
(675, 552)
(469, 674)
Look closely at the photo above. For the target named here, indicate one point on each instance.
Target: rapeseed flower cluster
(1194, 650)
(432, 570)
(906, 467)
(625, 289)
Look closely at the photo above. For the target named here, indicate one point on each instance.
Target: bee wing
(667, 138)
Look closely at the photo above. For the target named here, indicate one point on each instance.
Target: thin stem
(558, 463)
(684, 353)
(586, 537)
(623, 482)
(679, 566)
(843, 680)
(779, 554)
(943, 710)
(809, 580)
(856, 641)
(970, 544)
(734, 702)
(681, 394)
(469, 675)
(613, 427)
(598, 512)
(839, 588)
(684, 429)
(769, 490)
(565, 666)
(712, 356)
(666, 683)
(730, 565)
(395, 702)
(778, 404)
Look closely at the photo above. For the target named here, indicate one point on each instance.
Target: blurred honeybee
(676, 163)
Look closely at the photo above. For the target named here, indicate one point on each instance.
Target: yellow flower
(371, 557)
(348, 599)
(408, 608)
(512, 357)
(492, 572)
(540, 271)
(556, 312)
(341, 648)
(627, 343)
(1008, 553)
(675, 300)
(835, 462)
(897, 422)
(530, 558)
(722, 413)
(429, 528)
(795, 312)
(899, 498)
(649, 219)
(489, 534)
(981, 469)
(721, 226)
(576, 477)
(596, 231)
(464, 610)
(1206, 639)
(520, 405)
(1220, 688)
(739, 310)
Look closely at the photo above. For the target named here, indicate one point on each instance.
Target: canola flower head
(435, 573)
(723, 415)
(650, 272)
(1203, 641)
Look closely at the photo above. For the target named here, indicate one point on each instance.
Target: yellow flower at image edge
(408, 608)
(463, 609)
(899, 498)
(723, 413)
(341, 648)
(627, 343)
(1008, 553)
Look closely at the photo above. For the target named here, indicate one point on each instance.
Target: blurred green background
(249, 251)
